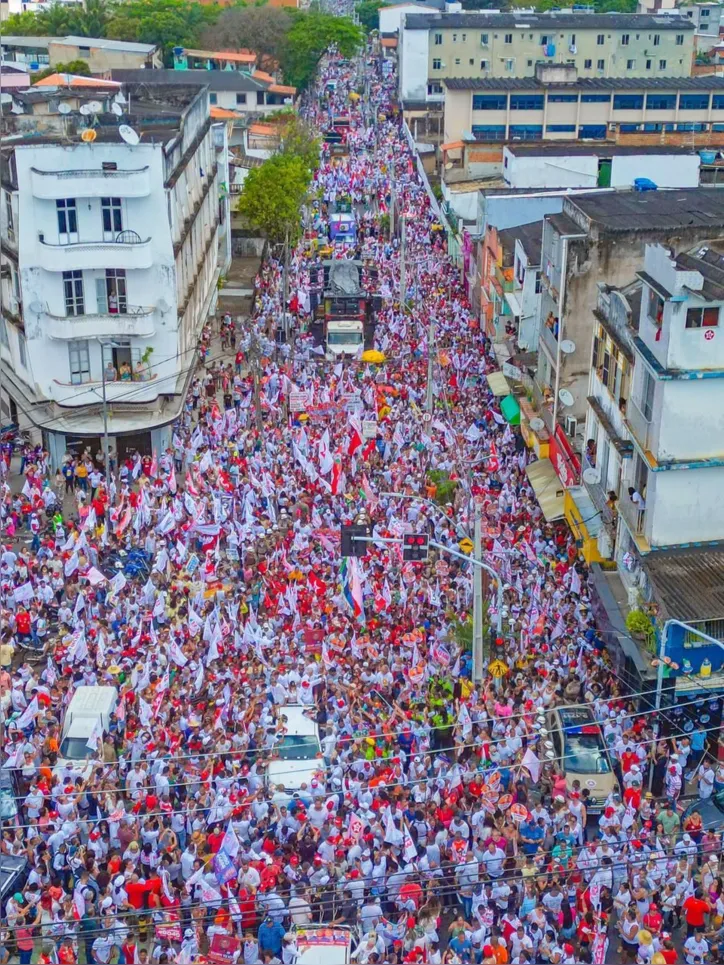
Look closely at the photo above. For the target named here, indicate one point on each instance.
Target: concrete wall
(413, 56)
(541, 171)
(391, 17)
(684, 506)
(666, 170)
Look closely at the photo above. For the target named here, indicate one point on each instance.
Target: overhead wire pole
(285, 285)
(429, 395)
(255, 364)
(403, 269)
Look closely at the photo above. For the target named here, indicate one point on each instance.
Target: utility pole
(430, 397)
(285, 284)
(106, 447)
(392, 199)
(478, 602)
(254, 357)
(403, 271)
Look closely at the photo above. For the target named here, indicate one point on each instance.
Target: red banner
(565, 461)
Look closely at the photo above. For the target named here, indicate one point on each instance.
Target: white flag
(28, 715)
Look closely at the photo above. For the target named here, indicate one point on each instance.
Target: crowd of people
(435, 820)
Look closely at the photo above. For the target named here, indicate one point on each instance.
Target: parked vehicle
(298, 755)
(89, 712)
(582, 753)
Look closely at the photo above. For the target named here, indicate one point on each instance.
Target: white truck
(344, 337)
(89, 713)
(297, 756)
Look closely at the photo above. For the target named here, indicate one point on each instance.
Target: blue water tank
(707, 157)
(644, 184)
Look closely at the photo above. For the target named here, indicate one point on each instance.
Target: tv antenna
(128, 134)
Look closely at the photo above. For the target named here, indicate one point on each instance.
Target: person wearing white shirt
(493, 859)
(696, 946)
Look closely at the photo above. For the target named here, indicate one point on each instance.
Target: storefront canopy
(498, 383)
(510, 409)
(547, 487)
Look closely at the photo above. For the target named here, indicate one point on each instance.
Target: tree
(368, 13)
(310, 36)
(168, 23)
(273, 194)
(78, 67)
(261, 29)
(298, 139)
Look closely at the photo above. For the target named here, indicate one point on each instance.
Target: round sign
(518, 812)
(590, 783)
(505, 802)
(709, 334)
(441, 568)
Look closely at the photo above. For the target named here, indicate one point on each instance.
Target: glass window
(112, 215)
(23, 349)
(657, 40)
(662, 65)
(489, 132)
(630, 65)
(437, 64)
(600, 65)
(702, 317)
(717, 102)
(595, 98)
(587, 64)
(648, 65)
(483, 65)
(213, 99)
(484, 39)
(490, 102)
(73, 291)
(648, 387)
(600, 40)
(67, 216)
(660, 102)
(655, 307)
(561, 128)
(526, 102)
(4, 339)
(509, 38)
(297, 747)
(624, 40)
(526, 132)
(595, 132)
(241, 98)
(679, 40)
(79, 358)
(628, 102)
(563, 98)
(438, 39)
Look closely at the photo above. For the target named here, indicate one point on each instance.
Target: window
(510, 64)
(600, 65)
(79, 359)
(509, 38)
(657, 40)
(704, 13)
(526, 102)
(624, 40)
(572, 40)
(662, 65)
(526, 132)
(595, 98)
(702, 317)
(648, 65)
(560, 128)
(490, 102)
(471, 62)
(213, 99)
(111, 293)
(546, 39)
(655, 307)
(605, 372)
(457, 61)
(112, 216)
(717, 102)
(438, 40)
(646, 400)
(73, 291)
(693, 102)
(630, 128)
(489, 132)
(628, 102)
(437, 64)
(23, 349)
(592, 132)
(241, 98)
(660, 102)
(84, 51)
(484, 65)
(538, 285)
(587, 64)
(563, 98)
(434, 88)
(9, 222)
(691, 126)
(679, 40)
(455, 38)
(67, 216)
(464, 37)
(630, 65)
(483, 40)
(600, 39)
(4, 338)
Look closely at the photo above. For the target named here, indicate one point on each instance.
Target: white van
(324, 945)
(90, 708)
(298, 751)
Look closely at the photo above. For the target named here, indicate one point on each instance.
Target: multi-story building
(109, 262)
(100, 54)
(557, 103)
(434, 48)
(707, 19)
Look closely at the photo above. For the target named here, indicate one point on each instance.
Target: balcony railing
(639, 426)
(543, 407)
(92, 183)
(130, 311)
(634, 516)
(597, 491)
(137, 322)
(128, 250)
(550, 341)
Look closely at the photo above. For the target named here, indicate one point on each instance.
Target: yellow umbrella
(354, 97)
(372, 355)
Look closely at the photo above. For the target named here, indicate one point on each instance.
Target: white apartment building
(675, 409)
(109, 266)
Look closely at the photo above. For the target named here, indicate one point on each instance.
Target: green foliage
(310, 35)
(368, 13)
(273, 194)
(89, 19)
(639, 624)
(78, 67)
(168, 23)
(299, 139)
(384, 223)
(262, 29)
(445, 486)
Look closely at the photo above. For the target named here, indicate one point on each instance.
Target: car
(711, 810)
(582, 754)
(297, 756)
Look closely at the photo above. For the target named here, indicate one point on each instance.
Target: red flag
(369, 449)
(493, 461)
(319, 586)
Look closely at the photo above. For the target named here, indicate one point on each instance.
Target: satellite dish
(6, 98)
(568, 347)
(566, 397)
(85, 110)
(116, 109)
(95, 106)
(64, 108)
(88, 135)
(128, 134)
(121, 98)
(537, 424)
(591, 476)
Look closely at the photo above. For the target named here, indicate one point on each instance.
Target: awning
(547, 487)
(513, 303)
(498, 383)
(510, 409)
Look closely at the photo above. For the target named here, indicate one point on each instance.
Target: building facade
(435, 48)
(110, 257)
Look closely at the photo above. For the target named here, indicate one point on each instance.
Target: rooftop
(689, 584)
(215, 80)
(597, 148)
(548, 19)
(710, 263)
(619, 211)
(704, 82)
(31, 42)
(233, 56)
(99, 43)
(530, 236)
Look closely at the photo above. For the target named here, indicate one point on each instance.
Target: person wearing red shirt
(628, 759)
(215, 838)
(695, 908)
(22, 623)
(653, 920)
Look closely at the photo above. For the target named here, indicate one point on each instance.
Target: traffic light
(349, 546)
(415, 547)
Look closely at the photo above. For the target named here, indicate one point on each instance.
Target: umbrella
(372, 355)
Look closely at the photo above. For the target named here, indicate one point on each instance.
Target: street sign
(466, 545)
(497, 668)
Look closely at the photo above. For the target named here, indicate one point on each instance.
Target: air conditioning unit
(571, 425)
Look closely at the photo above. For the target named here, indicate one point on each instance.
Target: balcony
(549, 341)
(91, 393)
(92, 183)
(543, 407)
(635, 520)
(639, 426)
(136, 322)
(597, 492)
(128, 251)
